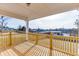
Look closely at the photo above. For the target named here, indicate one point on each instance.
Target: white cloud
(65, 20)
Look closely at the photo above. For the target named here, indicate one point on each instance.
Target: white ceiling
(35, 10)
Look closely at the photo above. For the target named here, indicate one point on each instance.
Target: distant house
(54, 32)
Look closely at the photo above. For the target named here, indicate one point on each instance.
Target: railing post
(10, 37)
(36, 39)
(71, 45)
(51, 46)
(77, 44)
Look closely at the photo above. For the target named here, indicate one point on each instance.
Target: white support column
(27, 29)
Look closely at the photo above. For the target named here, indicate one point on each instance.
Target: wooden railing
(10, 39)
(64, 44)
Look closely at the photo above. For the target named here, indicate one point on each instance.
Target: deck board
(23, 47)
(29, 49)
(8, 52)
(38, 51)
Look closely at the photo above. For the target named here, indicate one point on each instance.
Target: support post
(27, 29)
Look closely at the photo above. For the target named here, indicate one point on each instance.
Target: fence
(64, 44)
(10, 39)
(67, 45)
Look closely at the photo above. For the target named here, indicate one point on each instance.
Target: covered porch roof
(35, 10)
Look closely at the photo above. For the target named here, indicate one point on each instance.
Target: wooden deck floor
(8, 52)
(29, 49)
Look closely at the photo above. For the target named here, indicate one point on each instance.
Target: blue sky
(62, 20)
(15, 23)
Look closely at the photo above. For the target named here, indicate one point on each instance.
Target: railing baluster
(70, 46)
(65, 45)
(61, 43)
(73, 46)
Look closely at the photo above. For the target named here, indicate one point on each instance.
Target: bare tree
(3, 22)
(77, 24)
